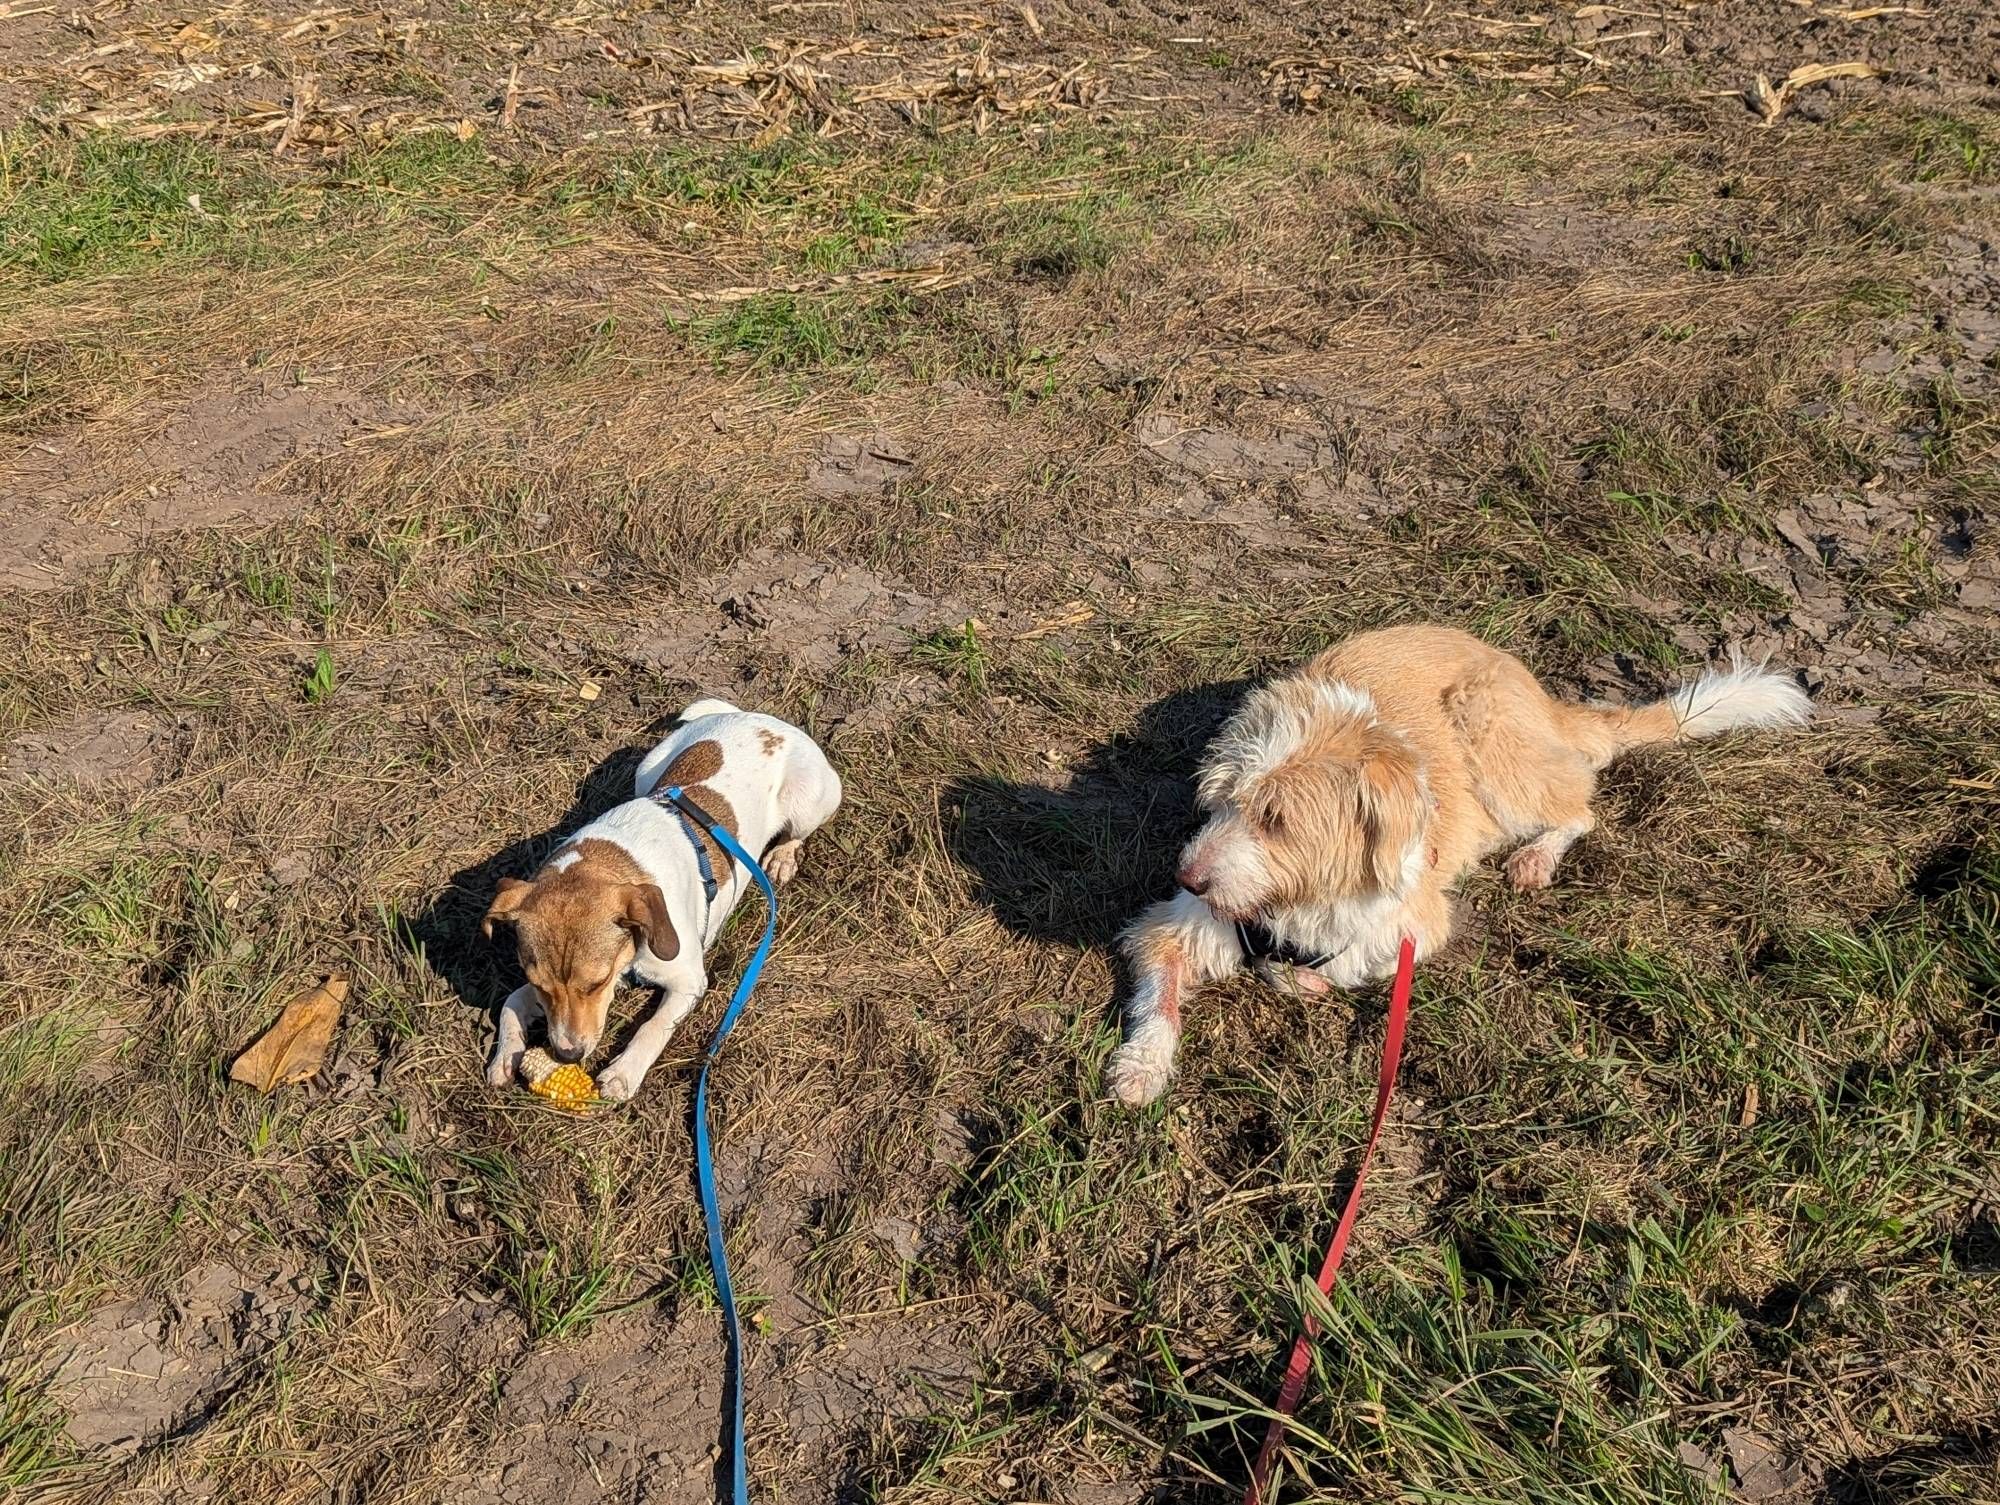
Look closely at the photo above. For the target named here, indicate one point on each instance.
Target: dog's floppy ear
(1394, 806)
(507, 900)
(646, 917)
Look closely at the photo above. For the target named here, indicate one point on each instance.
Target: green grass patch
(1057, 245)
(957, 653)
(320, 678)
(430, 173)
(104, 204)
(778, 331)
(1949, 149)
(72, 208)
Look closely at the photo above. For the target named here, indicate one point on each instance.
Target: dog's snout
(1195, 880)
(566, 1050)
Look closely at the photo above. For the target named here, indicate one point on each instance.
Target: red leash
(1301, 1360)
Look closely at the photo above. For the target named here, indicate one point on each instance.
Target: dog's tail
(1721, 700)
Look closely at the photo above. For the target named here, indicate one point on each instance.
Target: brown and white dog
(1343, 802)
(625, 895)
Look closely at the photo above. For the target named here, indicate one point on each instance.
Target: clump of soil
(876, 1371)
(1253, 486)
(1968, 294)
(847, 466)
(634, 1411)
(94, 750)
(1552, 235)
(780, 611)
(1215, 453)
(138, 1370)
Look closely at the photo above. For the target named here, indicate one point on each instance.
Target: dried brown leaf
(305, 94)
(293, 1049)
(1819, 73)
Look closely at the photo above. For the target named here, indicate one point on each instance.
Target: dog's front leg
(620, 1080)
(510, 1042)
(1175, 945)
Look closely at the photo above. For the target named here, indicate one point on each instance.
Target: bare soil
(68, 503)
(134, 1372)
(110, 749)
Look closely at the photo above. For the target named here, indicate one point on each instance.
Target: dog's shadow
(1071, 864)
(481, 972)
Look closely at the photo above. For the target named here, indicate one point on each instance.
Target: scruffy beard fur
(1345, 801)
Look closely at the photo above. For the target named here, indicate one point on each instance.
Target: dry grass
(1698, 1146)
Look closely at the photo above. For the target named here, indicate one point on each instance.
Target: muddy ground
(403, 415)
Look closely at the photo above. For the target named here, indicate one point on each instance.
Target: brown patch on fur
(1307, 817)
(576, 929)
(507, 897)
(770, 741)
(1159, 954)
(692, 764)
(718, 808)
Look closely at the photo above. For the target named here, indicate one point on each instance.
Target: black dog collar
(1260, 945)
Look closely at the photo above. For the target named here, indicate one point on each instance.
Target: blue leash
(704, 1156)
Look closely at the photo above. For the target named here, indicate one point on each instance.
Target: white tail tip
(1725, 699)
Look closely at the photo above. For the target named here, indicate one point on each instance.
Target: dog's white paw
(1138, 1073)
(615, 1085)
(1532, 866)
(781, 863)
(504, 1067)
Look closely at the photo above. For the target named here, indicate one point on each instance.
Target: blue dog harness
(692, 815)
(678, 801)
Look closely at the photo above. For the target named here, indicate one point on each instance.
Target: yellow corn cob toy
(567, 1087)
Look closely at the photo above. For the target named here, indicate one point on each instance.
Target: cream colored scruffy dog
(1344, 801)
